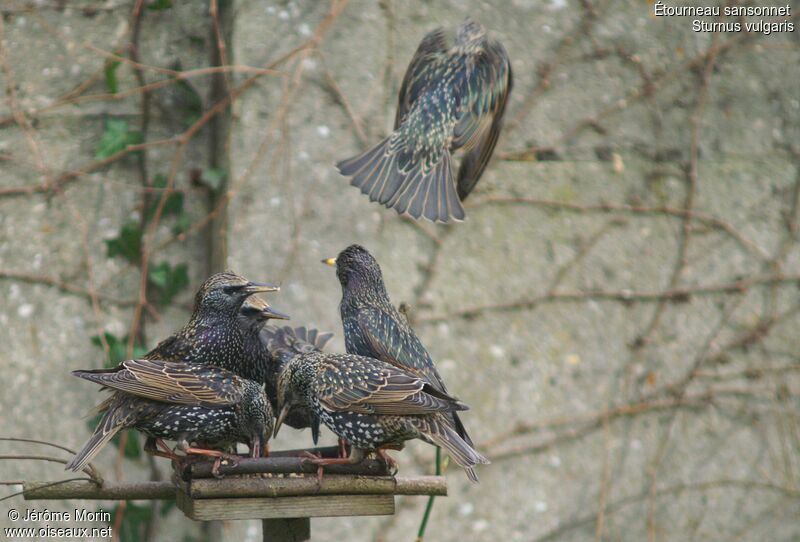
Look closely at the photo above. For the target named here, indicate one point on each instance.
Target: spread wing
(170, 382)
(422, 68)
(361, 385)
(398, 345)
(489, 85)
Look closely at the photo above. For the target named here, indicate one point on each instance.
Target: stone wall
(620, 308)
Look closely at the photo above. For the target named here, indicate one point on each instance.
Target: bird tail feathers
(113, 421)
(439, 433)
(381, 173)
(318, 339)
(460, 429)
(286, 342)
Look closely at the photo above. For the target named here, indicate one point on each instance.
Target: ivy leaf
(135, 518)
(116, 137)
(111, 76)
(128, 244)
(213, 178)
(133, 450)
(172, 206)
(160, 5)
(187, 101)
(182, 224)
(118, 348)
(168, 280)
(166, 507)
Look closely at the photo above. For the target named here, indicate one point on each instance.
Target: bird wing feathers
(401, 347)
(171, 382)
(361, 385)
(489, 85)
(420, 71)
(397, 345)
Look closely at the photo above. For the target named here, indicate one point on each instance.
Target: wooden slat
(79, 489)
(240, 486)
(285, 507)
(331, 484)
(282, 465)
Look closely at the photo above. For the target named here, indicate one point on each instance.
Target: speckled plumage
(222, 335)
(374, 328)
(372, 404)
(178, 401)
(451, 98)
(215, 334)
(283, 344)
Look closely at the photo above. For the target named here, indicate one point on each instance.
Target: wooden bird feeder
(282, 490)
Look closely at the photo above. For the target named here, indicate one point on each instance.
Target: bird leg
(389, 460)
(152, 445)
(257, 450)
(342, 447)
(305, 454)
(216, 454)
(255, 447)
(356, 456)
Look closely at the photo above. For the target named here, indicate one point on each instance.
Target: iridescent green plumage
(374, 328)
(451, 98)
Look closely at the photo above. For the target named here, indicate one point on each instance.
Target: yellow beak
(260, 287)
(279, 421)
(330, 261)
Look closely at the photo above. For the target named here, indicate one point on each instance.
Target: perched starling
(186, 402)
(375, 329)
(451, 98)
(221, 333)
(276, 348)
(371, 404)
(255, 313)
(283, 344)
(215, 335)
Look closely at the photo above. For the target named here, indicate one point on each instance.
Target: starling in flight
(451, 98)
(375, 329)
(185, 402)
(371, 404)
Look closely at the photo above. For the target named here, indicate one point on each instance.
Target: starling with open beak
(221, 333)
(218, 333)
(452, 98)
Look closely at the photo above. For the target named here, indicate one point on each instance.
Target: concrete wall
(621, 314)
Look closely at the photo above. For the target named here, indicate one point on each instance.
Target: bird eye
(232, 288)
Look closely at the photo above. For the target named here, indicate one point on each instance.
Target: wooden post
(286, 529)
